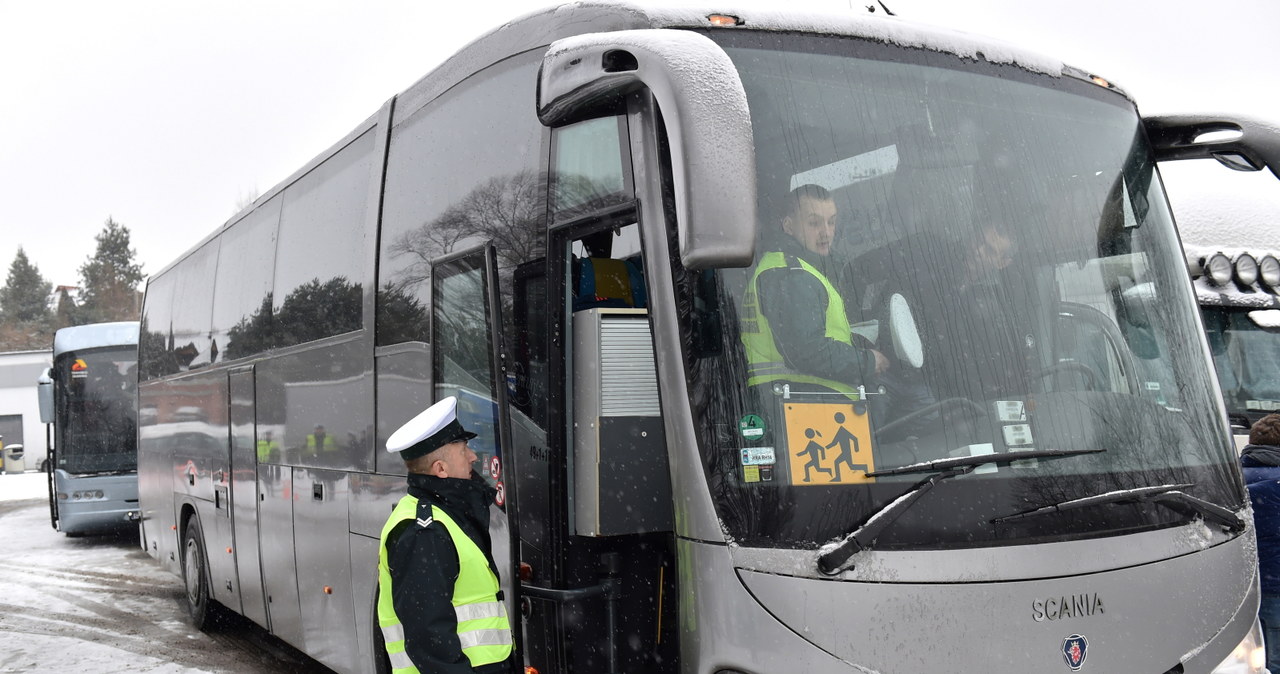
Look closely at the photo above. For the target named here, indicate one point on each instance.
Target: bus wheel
(195, 575)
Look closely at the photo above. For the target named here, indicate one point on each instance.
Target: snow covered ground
(99, 604)
(23, 486)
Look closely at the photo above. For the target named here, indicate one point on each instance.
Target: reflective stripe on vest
(764, 361)
(484, 631)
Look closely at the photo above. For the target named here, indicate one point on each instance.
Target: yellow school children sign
(828, 444)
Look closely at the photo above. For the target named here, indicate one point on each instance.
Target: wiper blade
(1168, 495)
(975, 461)
(835, 560)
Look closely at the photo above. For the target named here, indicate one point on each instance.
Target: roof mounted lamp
(1269, 271)
(1217, 268)
(1246, 270)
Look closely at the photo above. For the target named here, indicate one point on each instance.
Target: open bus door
(44, 391)
(467, 362)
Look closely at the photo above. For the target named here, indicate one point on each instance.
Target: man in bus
(439, 603)
(794, 325)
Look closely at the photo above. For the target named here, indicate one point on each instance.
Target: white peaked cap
(435, 427)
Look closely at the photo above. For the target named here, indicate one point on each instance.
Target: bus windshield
(97, 431)
(1245, 343)
(1010, 280)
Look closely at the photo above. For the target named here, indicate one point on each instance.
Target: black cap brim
(452, 432)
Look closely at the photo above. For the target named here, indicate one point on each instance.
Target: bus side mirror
(1240, 143)
(44, 390)
(705, 111)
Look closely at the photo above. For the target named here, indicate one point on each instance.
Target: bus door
(466, 336)
(244, 495)
(594, 506)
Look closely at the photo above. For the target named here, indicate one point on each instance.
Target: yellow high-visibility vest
(764, 362)
(484, 631)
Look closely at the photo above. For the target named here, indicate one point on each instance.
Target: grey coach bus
(559, 225)
(89, 401)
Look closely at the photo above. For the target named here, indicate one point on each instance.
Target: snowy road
(100, 604)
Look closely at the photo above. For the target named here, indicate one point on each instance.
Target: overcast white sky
(166, 114)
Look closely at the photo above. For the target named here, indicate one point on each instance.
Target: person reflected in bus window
(320, 442)
(268, 448)
(439, 603)
(794, 325)
(1260, 460)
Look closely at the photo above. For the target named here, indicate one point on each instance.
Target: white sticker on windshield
(1017, 434)
(977, 450)
(1011, 410)
(758, 456)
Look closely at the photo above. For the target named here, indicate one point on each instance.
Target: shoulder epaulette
(424, 514)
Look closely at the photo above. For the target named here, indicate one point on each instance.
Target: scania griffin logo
(1074, 650)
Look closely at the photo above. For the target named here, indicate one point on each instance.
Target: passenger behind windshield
(968, 326)
(794, 326)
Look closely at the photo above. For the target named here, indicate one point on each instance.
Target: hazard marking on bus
(501, 497)
(495, 468)
(828, 444)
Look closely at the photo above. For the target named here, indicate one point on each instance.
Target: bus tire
(197, 599)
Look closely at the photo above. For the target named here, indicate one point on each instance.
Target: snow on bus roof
(882, 28)
(121, 333)
(887, 29)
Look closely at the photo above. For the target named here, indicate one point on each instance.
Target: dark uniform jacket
(1261, 465)
(424, 566)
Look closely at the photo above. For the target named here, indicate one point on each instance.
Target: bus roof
(540, 28)
(123, 333)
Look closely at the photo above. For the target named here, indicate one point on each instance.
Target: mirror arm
(704, 107)
(1175, 137)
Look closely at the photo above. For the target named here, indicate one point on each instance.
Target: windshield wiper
(1168, 495)
(834, 561)
(975, 461)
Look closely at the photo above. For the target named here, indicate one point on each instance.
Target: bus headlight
(1250, 657)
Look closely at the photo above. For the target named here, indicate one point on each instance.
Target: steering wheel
(1090, 376)
(923, 412)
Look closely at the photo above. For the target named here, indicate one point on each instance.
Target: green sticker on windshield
(751, 427)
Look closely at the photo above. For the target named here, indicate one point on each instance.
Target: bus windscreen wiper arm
(1168, 495)
(975, 461)
(835, 560)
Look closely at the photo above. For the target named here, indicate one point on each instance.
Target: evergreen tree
(25, 295)
(25, 319)
(66, 313)
(110, 278)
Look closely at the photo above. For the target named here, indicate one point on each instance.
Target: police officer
(439, 605)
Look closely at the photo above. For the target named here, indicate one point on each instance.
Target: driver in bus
(794, 326)
(439, 603)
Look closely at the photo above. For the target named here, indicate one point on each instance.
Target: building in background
(19, 408)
